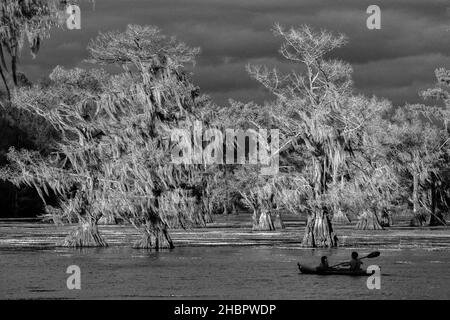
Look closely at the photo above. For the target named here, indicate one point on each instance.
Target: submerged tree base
(386, 219)
(340, 218)
(264, 223)
(208, 218)
(278, 222)
(369, 221)
(85, 235)
(419, 220)
(154, 237)
(319, 231)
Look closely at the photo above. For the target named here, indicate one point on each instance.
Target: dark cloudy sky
(394, 62)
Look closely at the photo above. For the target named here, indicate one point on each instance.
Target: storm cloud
(394, 62)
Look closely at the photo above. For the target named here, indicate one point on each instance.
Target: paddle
(369, 256)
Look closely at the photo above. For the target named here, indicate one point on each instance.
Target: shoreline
(231, 230)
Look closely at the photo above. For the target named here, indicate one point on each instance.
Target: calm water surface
(216, 273)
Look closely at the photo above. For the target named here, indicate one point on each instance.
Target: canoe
(345, 272)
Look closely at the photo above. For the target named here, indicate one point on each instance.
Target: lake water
(255, 272)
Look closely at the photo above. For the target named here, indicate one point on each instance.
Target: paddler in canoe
(355, 263)
(354, 266)
(323, 264)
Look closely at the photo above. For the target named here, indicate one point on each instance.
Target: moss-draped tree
(417, 145)
(20, 21)
(439, 179)
(321, 122)
(111, 153)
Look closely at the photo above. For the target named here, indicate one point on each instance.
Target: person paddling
(355, 263)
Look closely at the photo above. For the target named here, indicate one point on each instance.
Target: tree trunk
(415, 194)
(225, 208)
(319, 231)
(278, 221)
(206, 209)
(436, 218)
(207, 217)
(419, 219)
(262, 221)
(85, 235)
(386, 219)
(369, 221)
(255, 218)
(339, 217)
(154, 236)
(234, 210)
